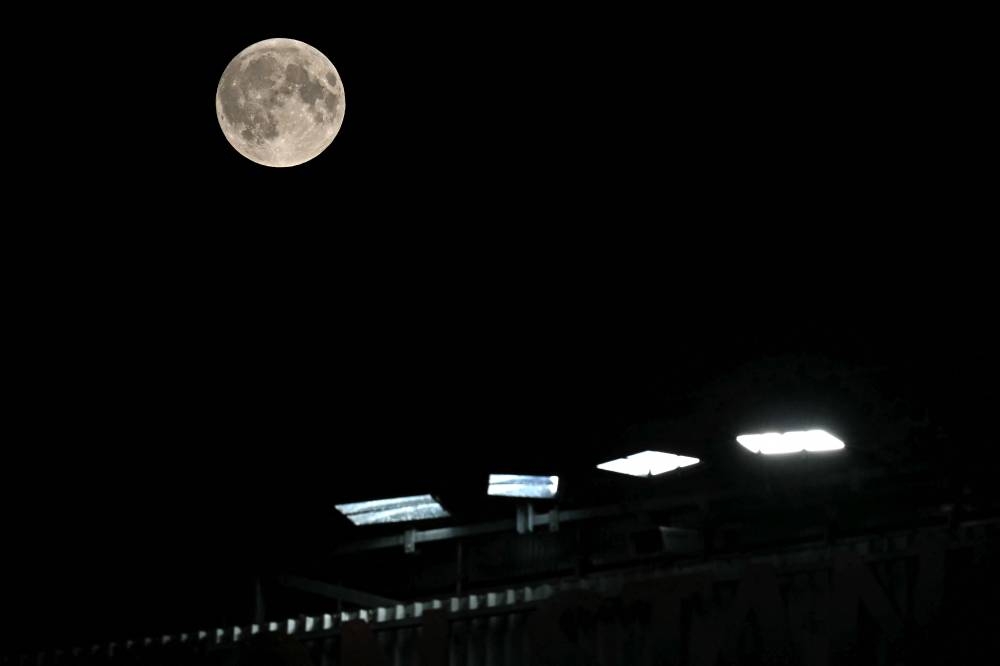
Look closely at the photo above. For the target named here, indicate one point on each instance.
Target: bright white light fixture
(515, 485)
(647, 463)
(790, 442)
(395, 510)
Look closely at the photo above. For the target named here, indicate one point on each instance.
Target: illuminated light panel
(515, 485)
(772, 443)
(648, 463)
(395, 510)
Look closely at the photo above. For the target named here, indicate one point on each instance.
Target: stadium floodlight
(648, 463)
(772, 443)
(395, 510)
(516, 485)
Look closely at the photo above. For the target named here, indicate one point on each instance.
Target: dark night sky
(528, 229)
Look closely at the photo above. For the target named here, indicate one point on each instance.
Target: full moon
(280, 102)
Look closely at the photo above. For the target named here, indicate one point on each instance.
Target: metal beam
(336, 592)
(423, 536)
(557, 517)
(445, 533)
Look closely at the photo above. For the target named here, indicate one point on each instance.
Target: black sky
(529, 230)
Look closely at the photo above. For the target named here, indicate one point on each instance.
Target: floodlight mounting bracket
(525, 518)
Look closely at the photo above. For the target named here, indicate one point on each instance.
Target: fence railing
(800, 604)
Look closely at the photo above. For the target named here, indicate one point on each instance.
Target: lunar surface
(280, 102)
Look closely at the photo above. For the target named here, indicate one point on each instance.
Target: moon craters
(280, 102)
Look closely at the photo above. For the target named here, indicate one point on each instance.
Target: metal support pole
(458, 569)
(258, 601)
(525, 518)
